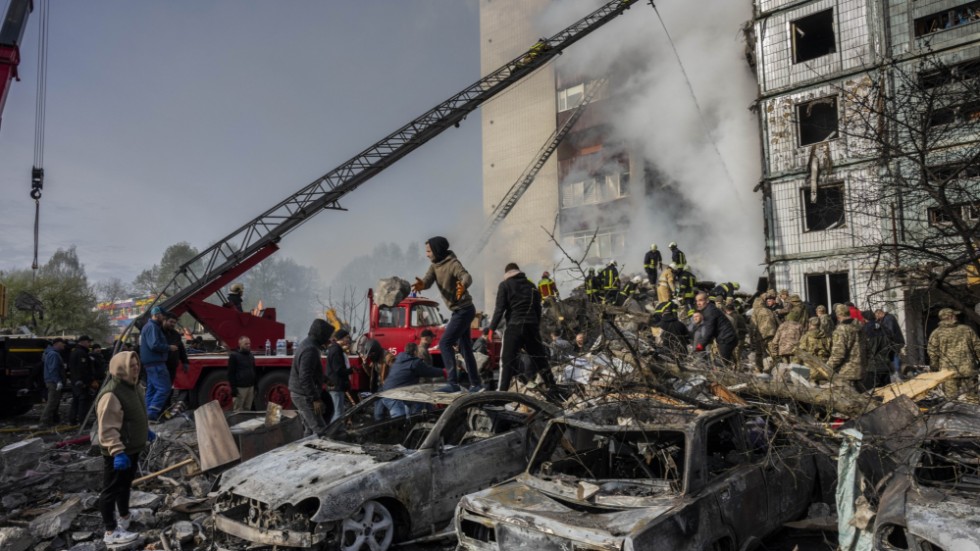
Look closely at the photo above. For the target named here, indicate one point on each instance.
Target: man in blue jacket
(406, 371)
(54, 380)
(154, 350)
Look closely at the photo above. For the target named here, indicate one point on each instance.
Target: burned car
(367, 484)
(643, 475)
(932, 500)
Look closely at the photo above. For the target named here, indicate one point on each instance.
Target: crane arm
(11, 34)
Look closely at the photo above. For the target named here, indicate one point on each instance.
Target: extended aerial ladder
(230, 257)
(527, 177)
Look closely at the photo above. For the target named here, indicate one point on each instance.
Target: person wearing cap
(653, 262)
(629, 290)
(83, 383)
(846, 361)
(453, 281)
(235, 296)
(338, 372)
(154, 351)
(826, 322)
(763, 326)
(54, 380)
(955, 347)
(306, 377)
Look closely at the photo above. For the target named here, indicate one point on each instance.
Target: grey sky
(181, 120)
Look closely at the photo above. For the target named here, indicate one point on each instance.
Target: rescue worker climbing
(235, 296)
(652, 263)
(610, 283)
(677, 256)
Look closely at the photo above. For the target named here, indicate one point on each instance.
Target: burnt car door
(735, 478)
(787, 468)
(480, 444)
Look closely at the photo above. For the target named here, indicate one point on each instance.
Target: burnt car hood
(304, 468)
(519, 504)
(950, 519)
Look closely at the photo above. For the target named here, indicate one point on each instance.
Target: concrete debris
(19, 457)
(82, 536)
(390, 291)
(144, 500)
(13, 500)
(57, 520)
(183, 531)
(15, 538)
(88, 546)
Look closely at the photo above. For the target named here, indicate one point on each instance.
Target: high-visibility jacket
(628, 290)
(677, 256)
(610, 278)
(547, 288)
(686, 284)
(652, 260)
(591, 284)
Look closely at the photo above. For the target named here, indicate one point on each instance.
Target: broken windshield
(950, 463)
(619, 462)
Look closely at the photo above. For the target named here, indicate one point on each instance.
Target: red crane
(11, 33)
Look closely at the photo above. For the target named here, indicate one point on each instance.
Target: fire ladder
(228, 258)
(517, 190)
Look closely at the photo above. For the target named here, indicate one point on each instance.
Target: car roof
(423, 393)
(954, 420)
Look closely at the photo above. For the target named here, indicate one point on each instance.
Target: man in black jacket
(338, 372)
(241, 375)
(306, 377)
(519, 302)
(83, 382)
(716, 328)
(175, 358)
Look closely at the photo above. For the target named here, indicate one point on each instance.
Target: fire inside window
(827, 212)
(813, 36)
(817, 120)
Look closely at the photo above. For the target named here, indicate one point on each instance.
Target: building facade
(848, 141)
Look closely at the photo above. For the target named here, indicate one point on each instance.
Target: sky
(181, 121)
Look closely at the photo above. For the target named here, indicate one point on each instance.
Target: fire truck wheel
(215, 386)
(274, 387)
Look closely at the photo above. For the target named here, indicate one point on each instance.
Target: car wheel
(371, 527)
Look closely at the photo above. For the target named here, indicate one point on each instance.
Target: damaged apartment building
(585, 185)
(867, 111)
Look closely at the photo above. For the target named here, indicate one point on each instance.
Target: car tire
(372, 521)
(274, 387)
(214, 386)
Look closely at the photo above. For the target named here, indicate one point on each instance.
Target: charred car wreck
(642, 475)
(368, 484)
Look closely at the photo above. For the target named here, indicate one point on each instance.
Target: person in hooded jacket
(123, 431)
(338, 372)
(306, 377)
(519, 302)
(452, 280)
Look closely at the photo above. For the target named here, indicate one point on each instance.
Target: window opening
(827, 212)
(813, 36)
(948, 19)
(817, 120)
(828, 289)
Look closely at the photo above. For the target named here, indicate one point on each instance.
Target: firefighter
(547, 288)
(610, 283)
(677, 256)
(652, 263)
(592, 285)
(725, 290)
(630, 290)
(665, 286)
(686, 286)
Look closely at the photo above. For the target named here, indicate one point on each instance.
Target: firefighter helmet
(653, 247)
(237, 288)
(735, 285)
(673, 245)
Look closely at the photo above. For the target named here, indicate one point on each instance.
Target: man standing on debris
(895, 335)
(83, 383)
(123, 431)
(717, 328)
(846, 360)
(764, 325)
(407, 370)
(241, 375)
(306, 377)
(686, 286)
(665, 286)
(610, 283)
(547, 287)
(452, 280)
(54, 380)
(677, 256)
(955, 347)
(338, 372)
(653, 262)
(519, 303)
(175, 358)
(154, 351)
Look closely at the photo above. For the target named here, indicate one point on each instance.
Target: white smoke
(709, 208)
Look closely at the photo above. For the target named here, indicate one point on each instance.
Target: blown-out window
(813, 36)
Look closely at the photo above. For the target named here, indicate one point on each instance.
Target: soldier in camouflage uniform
(815, 342)
(847, 350)
(826, 323)
(764, 326)
(955, 347)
